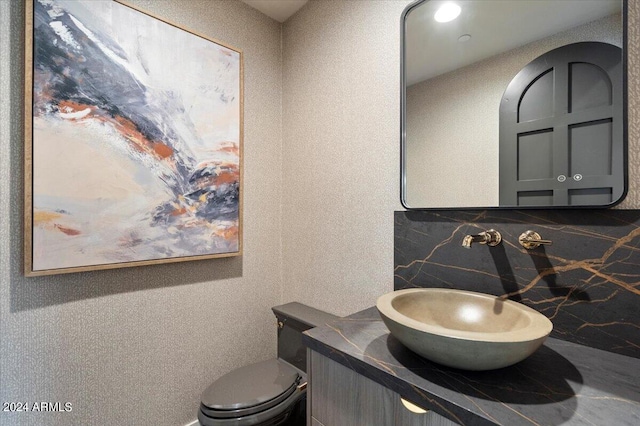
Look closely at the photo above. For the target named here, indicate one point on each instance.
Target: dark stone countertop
(562, 383)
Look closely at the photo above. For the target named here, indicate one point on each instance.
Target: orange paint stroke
(70, 106)
(162, 150)
(224, 173)
(40, 217)
(230, 147)
(227, 177)
(67, 231)
(129, 130)
(178, 212)
(227, 233)
(224, 178)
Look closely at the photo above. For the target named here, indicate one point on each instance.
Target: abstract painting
(133, 140)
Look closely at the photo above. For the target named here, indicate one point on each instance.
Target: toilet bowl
(271, 392)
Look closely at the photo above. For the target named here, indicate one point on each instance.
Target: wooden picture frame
(133, 140)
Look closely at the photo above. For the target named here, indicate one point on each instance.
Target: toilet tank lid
(305, 314)
(250, 385)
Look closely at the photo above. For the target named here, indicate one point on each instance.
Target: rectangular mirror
(516, 104)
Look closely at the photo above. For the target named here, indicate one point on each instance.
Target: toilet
(271, 392)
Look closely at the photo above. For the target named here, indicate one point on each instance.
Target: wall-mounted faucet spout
(490, 238)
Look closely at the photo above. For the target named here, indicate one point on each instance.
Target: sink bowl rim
(539, 326)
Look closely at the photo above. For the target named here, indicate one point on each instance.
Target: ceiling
(495, 26)
(280, 10)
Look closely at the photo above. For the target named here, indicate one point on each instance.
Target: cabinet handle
(413, 407)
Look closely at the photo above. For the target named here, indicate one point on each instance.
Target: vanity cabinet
(339, 396)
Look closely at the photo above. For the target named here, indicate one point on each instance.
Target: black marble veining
(586, 282)
(563, 383)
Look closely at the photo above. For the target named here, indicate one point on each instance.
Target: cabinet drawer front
(340, 396)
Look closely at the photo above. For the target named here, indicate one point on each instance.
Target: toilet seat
(254, 393)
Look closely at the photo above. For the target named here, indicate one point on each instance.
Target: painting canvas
(133, 140)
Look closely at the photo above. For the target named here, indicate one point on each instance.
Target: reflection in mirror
(455, 75)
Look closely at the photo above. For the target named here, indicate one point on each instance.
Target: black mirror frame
(403, 113)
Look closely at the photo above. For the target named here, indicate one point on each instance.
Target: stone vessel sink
(463, 329)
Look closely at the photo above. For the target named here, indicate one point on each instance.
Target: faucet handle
(493, 237)
(531, 239)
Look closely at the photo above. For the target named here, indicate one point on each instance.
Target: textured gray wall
(137, 346)
(633, 31)
(341, 152)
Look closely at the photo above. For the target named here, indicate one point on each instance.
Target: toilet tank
(293, 319)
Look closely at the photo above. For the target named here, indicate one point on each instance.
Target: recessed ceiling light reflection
(447, 12)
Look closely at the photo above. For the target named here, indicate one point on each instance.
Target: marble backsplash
(586, 281)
